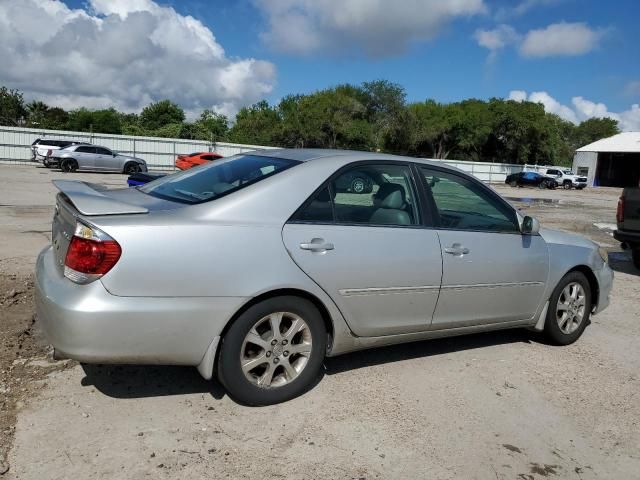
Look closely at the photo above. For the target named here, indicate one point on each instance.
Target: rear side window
(102, 151)
(216, 179)
(86, 149)
(365, 194)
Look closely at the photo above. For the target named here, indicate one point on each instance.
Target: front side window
(464, 205)
(216, 179)
(365, 194)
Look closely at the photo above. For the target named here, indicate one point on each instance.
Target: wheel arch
(282, 292)
(593, 283)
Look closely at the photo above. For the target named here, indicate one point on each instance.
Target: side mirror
(530, 226)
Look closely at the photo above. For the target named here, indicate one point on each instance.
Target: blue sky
(453, 66)
(579, 58)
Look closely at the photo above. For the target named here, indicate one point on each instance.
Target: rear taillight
(620, 210)
(90, 255)
(49, 152)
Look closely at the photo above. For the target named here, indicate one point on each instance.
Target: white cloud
(496, 39)
(122, 53)
(581, 109)
(561, 39)
(375, 27)
(521, 8)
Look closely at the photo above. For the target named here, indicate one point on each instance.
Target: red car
(184, 162)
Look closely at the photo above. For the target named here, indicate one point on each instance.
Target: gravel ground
(499, 405)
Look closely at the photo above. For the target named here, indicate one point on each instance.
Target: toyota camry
(256, 267)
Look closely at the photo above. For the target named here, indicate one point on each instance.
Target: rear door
(104, 159)
(491, 272)
(85, 156)
(369, 251)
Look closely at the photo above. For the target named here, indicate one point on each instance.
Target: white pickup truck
(567, 179)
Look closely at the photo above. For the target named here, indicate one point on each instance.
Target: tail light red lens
(620, 210)
(91, 254)
(49, 152)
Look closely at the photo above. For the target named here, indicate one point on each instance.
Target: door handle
(457, 250)
(317, 245)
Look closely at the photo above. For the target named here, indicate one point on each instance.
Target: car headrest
(390, 195)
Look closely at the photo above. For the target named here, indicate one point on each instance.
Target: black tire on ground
(69, 165)
(566, 185)
(513, 183)
(46, 163)
(131, 168)
(579, 188)
(543, 185)
(229, 368)
(635, 257)
(551, 328)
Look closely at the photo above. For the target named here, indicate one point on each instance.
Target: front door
(491, 272)
(366, 249)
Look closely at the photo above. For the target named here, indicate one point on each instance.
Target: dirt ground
(499, 405)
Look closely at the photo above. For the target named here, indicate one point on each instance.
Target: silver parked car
(257, 266)
(95, 158)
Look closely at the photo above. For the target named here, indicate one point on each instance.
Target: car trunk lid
(78, 201)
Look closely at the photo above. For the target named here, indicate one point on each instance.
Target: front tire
(273, 351)
(131, 168)
(566, 185)
(569, 309)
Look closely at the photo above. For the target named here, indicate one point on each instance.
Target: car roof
(310, 154)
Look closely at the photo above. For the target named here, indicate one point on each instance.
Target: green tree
(594, 129)
(211, 126)
(159, 114)
(12, 109)
(385, 105)
(99, 121)
(258, 124)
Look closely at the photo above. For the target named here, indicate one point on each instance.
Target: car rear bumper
(627, 236)
(87, 323)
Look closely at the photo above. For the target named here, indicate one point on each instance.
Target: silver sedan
(255, 267)
(94, 158)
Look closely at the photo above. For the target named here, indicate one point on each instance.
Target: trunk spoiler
(89, 199)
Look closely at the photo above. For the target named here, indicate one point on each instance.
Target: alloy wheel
(570, 310)
(276, 350)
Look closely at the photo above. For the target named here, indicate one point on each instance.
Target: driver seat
(390, 202)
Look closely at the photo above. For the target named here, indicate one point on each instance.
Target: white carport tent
(612, 161)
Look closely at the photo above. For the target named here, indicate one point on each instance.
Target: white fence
(160, 153)
(15, 145)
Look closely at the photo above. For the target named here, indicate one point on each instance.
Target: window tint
(369, 194)
(464, 205)
(102, 151)
(318, 209)
(86, 150)
(216, 179)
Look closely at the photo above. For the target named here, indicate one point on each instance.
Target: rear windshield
(214, 180)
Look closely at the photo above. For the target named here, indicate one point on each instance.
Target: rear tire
(131, 168)
(568, 314)
(635, 257)
(69, 165)
(513, 183)
(278, 364)
(543, 185)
